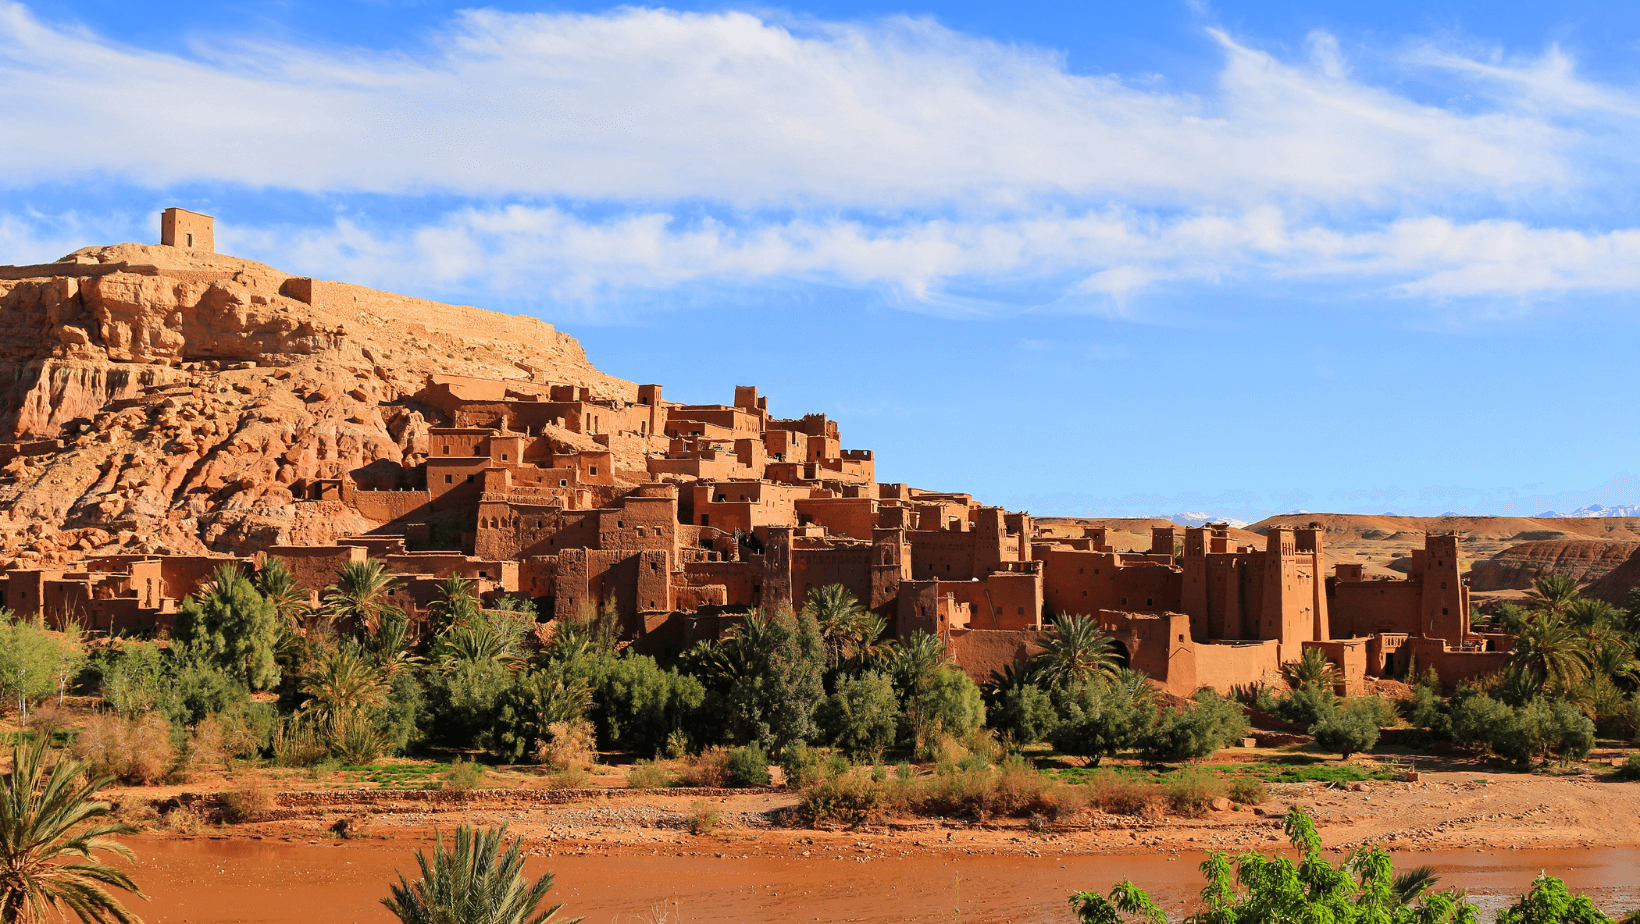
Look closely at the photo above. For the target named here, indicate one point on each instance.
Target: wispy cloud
(895, 153)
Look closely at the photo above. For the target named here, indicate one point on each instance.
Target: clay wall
(847, 564)
(979, 652)
(1453, 666)
(188, 230)
(315, 567)
(440, 565)
(1350, 656)
(740, 583)
(854, 517)
(743, 505)
(1363, 608)
(1075, 581)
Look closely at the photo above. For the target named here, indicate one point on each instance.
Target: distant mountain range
(1595, 510)
(1202, 519)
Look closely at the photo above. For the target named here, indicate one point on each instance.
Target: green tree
(278, 586)
(840, 619)
(51, 829)
(1548, 653)
(535, 701)
(230, 624)
(1553, 594)
(948, 705)
(1550, 902)
(1312, 669)
(34, 661)
(636, 705)
(363, 590)
(473, 882)
(1280, 890)
(1209, 723)
(1074, 651)
(1104, 716)
(1350, 730)
(768, 671)
(136, 677)
(862, 716)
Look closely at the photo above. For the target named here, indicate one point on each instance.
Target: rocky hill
(160, 399)
(1584, 561)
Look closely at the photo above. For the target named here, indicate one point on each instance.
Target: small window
(1021, 611)
(1084, 593)
(1445, 612)
(446, 448)
(477, 450)
(449, 479)
(484, 574)
(190, 240)
(592, 470)
(1150, 601)
(469, 479)
(1124, 601)
(620, 524)
(563, 482)
(503, 457)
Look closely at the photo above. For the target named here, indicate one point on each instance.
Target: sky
(1081, 259)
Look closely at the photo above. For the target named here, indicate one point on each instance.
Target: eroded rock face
(1516, 567)
(154, 399)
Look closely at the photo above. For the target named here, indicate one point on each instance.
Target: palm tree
(1552, 594)
(343, 680)
(1413, 883)
(473, 882)
(1312, 669)
(361, 591)
(454, 603)
(1074, 652)
(1548, 652)
(1592, 614)
(50, 827)
(874, 645)
(916, 659)
(278, 586)
(840, 617)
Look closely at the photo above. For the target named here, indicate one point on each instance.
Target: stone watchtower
(189, 230)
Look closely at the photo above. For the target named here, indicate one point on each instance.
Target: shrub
(34, 661)
(709, 768)
(252, 800)
(862, 716)
(1101, 718)
(1629, 769)
(1425, 709)
(648, 774)
(229, 624)
(747, 766)
(846, 799)
(1248, 791)
(1347, 731)
(1024, 713)
(1192, 792)
(949, 704)
(296, 743)
(463, 775)
(1210, 722)
(136, 751)
(804, 766)
(183, 820)
(1476, 720)
(703, 817)
(637, 706)
(1306, 705)
(567, 746)
(1116, 794)
(529, 709)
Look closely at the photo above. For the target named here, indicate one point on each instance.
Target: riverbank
(1460, 807)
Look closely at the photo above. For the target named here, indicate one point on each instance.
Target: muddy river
(252, 881)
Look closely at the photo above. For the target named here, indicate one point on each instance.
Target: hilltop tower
(188, 230)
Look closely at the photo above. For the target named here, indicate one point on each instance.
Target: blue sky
(1076, 258)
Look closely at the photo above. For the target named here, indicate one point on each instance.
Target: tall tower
(1446, 600)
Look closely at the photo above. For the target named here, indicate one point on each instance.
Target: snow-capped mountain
(1202, 519)
(1595, 510)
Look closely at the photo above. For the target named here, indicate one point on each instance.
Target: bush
(636, 705)
(463, 775)
(137, 751)
(567, 746)
(1305, 705)
(232, 626)
(528, 710)
(1477, 719)
(1117, 794)
(465, 698)
(1248, 791)
(747, 766)
(1629, 769)
(1425, 709)
(296, 742)
(804, 766)
(709, 768)
(703, 817)
(253, 800)
(948, 705)
(1347, 731)
(34, 662)
(1192, 792)
(846, 799)
(648, 774)
(1209, 723)
(1101, 718)
(1024, 713)
(862, 716)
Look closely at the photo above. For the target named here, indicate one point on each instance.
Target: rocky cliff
(158, 399)
(1516, 567)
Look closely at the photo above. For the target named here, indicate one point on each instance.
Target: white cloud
(896, 154)
(660, 105)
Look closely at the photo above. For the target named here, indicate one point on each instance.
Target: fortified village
(165, 407)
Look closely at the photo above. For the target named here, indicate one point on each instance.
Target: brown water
(249, 881)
